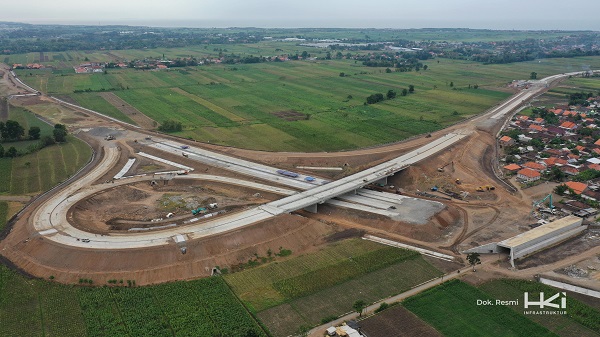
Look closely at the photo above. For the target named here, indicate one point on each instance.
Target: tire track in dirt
(464, 233)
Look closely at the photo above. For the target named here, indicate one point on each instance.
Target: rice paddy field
(452, 309)
(303, 290)
(242, 105)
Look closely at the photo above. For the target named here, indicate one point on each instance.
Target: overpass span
(50, 220)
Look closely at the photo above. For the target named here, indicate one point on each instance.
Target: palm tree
(359, 306)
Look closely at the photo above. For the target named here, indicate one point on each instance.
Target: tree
(404, 92)
(375, 98)
(473, 259)
(359, 306)
(388, 70)
(59, 133)
(328, 56)
(47, 141)
(411, 88)
(1, 151)
(425, 67)
(533, 75)
(13, 130)
(560, 189)
(342, 74)
(11, 153)
(34, 132)
(170, 126)
(451, 84)
(304, 54)
(556, 174)
(390, 94)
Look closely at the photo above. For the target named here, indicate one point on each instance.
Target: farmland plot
(451, 308)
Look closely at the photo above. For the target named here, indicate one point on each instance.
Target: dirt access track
(37, 255)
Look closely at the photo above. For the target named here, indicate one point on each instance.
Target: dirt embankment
(166, 263)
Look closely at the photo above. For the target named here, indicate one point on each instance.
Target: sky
(487, 14)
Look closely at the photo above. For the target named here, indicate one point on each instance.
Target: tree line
(391, 94)
(12, 131)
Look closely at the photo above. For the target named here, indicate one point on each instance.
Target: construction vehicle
(184, 154)
(199, 210)
(485, 188)
(109, 137)
(434, 188)
(535, 204)
(213, 205)
(458, 182)
(183, 173)
(441, 169)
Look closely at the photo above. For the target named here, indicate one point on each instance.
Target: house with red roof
(512, 167)
(536, 127)
(570, 170)
(593, 167)
(554, 161)
(577, 187)
(528, 175)
(507, 141)
(568, 125)
(534, 166)
(538, 120)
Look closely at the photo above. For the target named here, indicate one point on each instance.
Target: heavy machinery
(457, 181)
(536, 203)
(199, 210)
(441, 169)
(485, 188)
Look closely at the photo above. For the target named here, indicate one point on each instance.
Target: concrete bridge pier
(311, 208)
(382, 181)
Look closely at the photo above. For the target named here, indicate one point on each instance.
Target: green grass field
(26, 119)
(303, 290)
(235, 104)
(41, 170)
(97, 103)
(203, 307)
(582, 320)
(451, 309)
(3, 214)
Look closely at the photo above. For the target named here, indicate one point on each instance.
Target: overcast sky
(494, 14)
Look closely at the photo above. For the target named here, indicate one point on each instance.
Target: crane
(541, 201)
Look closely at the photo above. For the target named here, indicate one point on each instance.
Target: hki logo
(547, 302)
